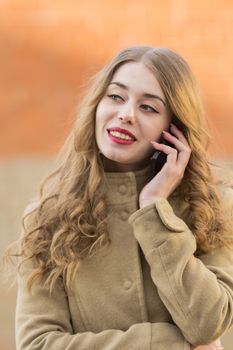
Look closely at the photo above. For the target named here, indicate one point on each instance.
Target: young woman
(123, 250)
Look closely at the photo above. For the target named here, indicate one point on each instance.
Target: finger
(184, 155)
(184, 150)
(168, 150)
(173, 140)
(179, 144)
(179, 134)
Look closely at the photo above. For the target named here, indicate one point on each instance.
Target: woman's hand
(171, 174)
(216, 345)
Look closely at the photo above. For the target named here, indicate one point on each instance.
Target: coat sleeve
(43, 322)
(198, 292)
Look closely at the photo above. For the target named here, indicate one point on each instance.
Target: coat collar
(122, 187)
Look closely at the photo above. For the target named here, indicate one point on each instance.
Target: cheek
(156, 136)
(101, 115)
(99, 118)
(98, 124)
(153, 130)
(97, 114)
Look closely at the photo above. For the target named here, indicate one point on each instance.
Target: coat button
(124, 215)
(122, 189)
(127, 284)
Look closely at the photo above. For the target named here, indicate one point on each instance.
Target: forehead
(137, 75)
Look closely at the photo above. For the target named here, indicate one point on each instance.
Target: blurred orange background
(48, 51)
(50, 48)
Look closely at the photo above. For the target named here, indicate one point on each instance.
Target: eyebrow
(147, 95)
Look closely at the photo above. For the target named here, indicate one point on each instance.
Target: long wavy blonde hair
(69, 220)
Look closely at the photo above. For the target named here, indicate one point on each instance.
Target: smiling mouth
(120, 137)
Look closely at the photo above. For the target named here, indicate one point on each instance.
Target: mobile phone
(159, 158)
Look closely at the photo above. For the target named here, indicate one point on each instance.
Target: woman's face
(132, 113)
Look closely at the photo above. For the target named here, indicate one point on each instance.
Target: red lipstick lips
(123, 131)
(121, 136)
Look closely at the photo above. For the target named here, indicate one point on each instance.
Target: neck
(112, 166)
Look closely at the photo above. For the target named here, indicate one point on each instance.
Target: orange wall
(49, 48)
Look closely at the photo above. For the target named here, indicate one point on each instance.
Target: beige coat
(146, 291)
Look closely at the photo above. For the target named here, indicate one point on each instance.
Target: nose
(127, 115)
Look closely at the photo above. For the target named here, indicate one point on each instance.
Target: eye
(148, 108)
(115, 97)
